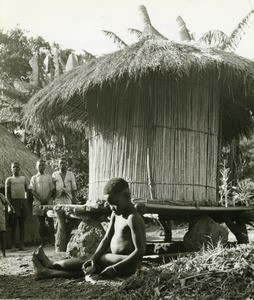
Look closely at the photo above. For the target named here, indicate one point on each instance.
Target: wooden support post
(60, 237)
(166, 225)
(239, 229)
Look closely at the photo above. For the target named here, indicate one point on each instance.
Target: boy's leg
(71, 264)
(110, 259)
(41, 272)
(42, 229)
(21, 232)
(44, 260)
(2, 242)
(51, 230)
(13, 232)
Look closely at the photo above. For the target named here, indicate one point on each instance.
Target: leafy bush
(243, 193)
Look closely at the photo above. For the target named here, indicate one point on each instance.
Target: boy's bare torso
(121, 242)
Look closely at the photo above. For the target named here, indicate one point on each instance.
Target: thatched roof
(10, 115)
(11, 149)
(67, 96)
(7, 90)
(12, 99)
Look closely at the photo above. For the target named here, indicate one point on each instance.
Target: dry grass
(216, 273)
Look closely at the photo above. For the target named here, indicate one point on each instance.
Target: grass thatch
(216, 273)
(7, 90)
(68, 95)
(10, 115)
(11, 149)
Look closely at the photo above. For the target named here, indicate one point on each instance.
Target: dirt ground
(17, 275)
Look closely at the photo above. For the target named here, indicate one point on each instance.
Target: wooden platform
(183, 213)
(235, 217)
(187, 212)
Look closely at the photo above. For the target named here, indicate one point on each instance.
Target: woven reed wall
(161, 135)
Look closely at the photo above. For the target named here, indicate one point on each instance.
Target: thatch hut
(157, 112)
(11, 102)
(11, 149)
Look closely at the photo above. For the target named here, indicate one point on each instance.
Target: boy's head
(15, 167)
(115, 186)
(119, 195)
(62, 164)
(40, 166)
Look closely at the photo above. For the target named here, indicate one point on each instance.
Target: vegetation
(216, 273)
(27, 65)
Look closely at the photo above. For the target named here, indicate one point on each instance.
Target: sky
(78, 24)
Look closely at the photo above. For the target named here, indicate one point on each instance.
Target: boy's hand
(109, 272)
(88, 267)
(10, 209)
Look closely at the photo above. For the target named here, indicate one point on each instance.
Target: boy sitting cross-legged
(120, 251)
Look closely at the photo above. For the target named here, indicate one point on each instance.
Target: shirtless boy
(120, 251)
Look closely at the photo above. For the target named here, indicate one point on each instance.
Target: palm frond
(88, 55)
(214, 38)
(117, 40)
(137, 32)
(237, 34)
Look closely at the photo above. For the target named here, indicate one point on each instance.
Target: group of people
(120, 251)
(60, 188)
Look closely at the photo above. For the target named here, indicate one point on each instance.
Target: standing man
(65, 184)
(42, 188)
(16, 188)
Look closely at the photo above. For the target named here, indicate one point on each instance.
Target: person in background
(16, 188)
(4, 204)
(119, 253)
(42, 187)
(65, 184)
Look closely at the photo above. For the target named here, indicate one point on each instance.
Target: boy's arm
(105, 242)
(5, 201)
(74, 196)
(52, 187)
(36, 195)
(8, 194)
(73, 189)
(8, 189)
(34, 192)
(26, 185)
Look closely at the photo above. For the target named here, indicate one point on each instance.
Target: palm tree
(88, 56)
(148, 30)
(217, 37)
(137, 32)
(117, 40)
